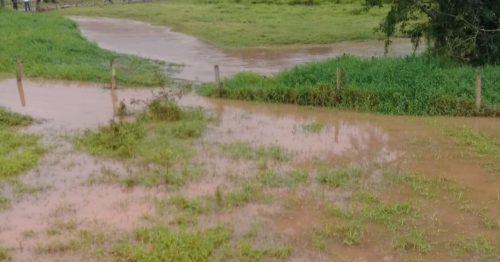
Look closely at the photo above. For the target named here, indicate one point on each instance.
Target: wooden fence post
(20, 82)
(478, 90)
(114, 96)
(339, 79)
(217, 80)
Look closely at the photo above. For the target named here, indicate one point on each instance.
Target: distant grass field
(232, 24)
(413, 85)
(51, 47)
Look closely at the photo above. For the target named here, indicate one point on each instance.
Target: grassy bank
(51, 47)
(237, 25)
(415, 85)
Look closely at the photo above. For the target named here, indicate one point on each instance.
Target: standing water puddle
(68, 107)
(156, 42)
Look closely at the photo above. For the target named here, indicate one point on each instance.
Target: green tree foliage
(464, 30)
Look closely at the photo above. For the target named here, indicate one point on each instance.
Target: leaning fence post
(20, 82)
(478, 90)
(339, 79)
(114, 96)
(217, 80)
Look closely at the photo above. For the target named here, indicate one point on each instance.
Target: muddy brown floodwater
(156, 42)
(68, 107)
(65, 108)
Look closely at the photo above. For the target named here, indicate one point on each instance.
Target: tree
(464, 30)
(2, 3)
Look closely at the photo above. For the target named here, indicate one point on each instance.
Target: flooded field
(275, 182)
(198, 58)
(237, 181)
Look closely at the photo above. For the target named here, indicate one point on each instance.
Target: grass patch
(429, 188)
(478, 247)
(245, 252)
(19, 152)
(193, 206)
(350, 224)
(247, 193)
(238, 25)
(161, 140)
(5, 254)
(10, 119)
(415, 240)
(84, 241)
(270, 178)
(164, 244)
(173, 176)
(51, 47)
(313, 127)
(483, 145)
(4, 202)
(412, 85)
(339, 177)
(243, 150)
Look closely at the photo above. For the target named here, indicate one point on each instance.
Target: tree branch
(424, 8)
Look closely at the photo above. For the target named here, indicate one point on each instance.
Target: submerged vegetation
(413, 85)
(159, 139)
(51, 47)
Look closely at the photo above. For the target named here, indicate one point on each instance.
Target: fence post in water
(20, 82)
(114, 97)
(339, 79)
(217, 80)
(478, 90)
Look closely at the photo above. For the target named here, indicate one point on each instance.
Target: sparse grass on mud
(242, 150)
(401, 215)
(245, 24)
(18, 151)
(486, 147)
(51, 47)
(413, 85)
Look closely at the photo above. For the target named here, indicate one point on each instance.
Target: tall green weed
(412, 85)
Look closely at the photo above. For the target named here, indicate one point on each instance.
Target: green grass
(4, 202)
(19, 152)
(487, 250)
(313, 127)
(157, 141)
(5, 254)
(248, 192)
(238, 25)
(486, 147)
(161, 140)
(51, 47)
(339, 177)
(164, 244)
(194, 206)
(413, 85)
(413, 240)
(245, 252)
(243, 150)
